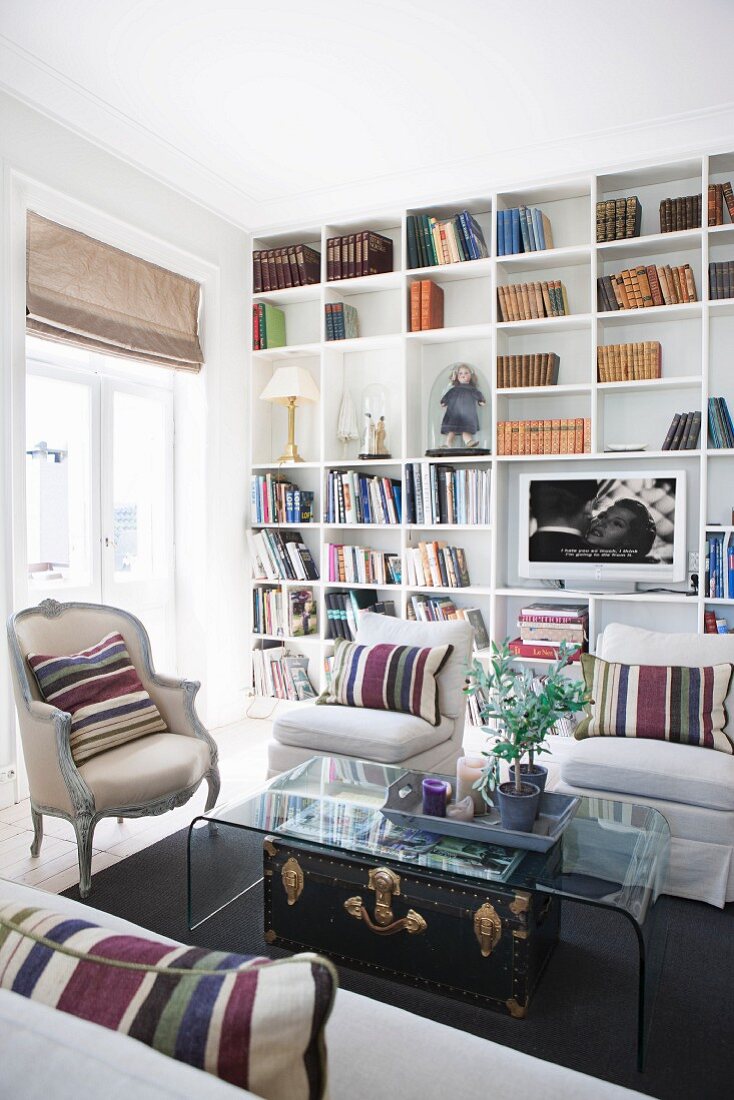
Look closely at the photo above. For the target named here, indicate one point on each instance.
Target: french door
(99, 494)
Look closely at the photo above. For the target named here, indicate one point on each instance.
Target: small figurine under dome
(461, 401)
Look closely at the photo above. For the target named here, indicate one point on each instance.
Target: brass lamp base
(290, 454)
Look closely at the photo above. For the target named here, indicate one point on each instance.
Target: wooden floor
(243, 765)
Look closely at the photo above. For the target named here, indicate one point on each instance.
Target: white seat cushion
(652, 769)
(380, 735)
(142, 771)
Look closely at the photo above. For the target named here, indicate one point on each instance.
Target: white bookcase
(697, 360)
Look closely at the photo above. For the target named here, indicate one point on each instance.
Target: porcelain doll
(462, 401)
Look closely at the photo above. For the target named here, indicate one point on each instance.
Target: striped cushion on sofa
(387, 677)
(101, 690)
(665, 703)
(253, 1022)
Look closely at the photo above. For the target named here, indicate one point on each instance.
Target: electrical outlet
(7, 774)
(693, 561)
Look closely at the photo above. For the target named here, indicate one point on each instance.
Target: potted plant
(525, 712)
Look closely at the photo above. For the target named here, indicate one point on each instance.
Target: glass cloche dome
(458, 413)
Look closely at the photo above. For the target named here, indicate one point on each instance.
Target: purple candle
(435, 793)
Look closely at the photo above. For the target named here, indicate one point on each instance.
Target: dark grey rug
(584, 1011)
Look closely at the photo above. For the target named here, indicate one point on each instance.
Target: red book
(709, 622)
(538, 651)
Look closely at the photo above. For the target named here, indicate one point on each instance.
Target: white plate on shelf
(626, 447)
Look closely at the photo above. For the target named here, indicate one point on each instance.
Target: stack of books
(281, 675)
(681, 213)
(525, 301)
(718, 194)
(426, 305)
(268, 327)
(712, 624)
(719, 577)
(629, 362)
(640, 287)
(280, 556)
(275, 501)
(433, 241)
(683, 433)
(438, 494)
(519, 371)
(362, 565)
(721, 429)
(544, 627)
(343, 610)
(278, 612)
(342, 321)
(618, 219)
(544, 437)
(523, 229)
(281, 268)
(353, 497)
(436, 565)
(721, 280)
(357, 254)
(441, 609)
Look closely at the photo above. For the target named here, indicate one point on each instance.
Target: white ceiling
(280, 110)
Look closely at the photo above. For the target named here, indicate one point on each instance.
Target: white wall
(43, 162)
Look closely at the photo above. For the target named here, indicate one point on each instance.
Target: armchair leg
(214, 783)
(37, 832)
(84, 829)
(120, 820)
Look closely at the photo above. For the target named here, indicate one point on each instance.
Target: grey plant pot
(518, 811)
(537, 776)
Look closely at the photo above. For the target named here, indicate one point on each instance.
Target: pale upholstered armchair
(144, 777)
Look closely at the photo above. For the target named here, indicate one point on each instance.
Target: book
(523, 229)
(268, 326)
(433, 242)
(529, 437)
(302, 618)
(519, 371)
(342, 321)
(541, 651)
(281, 268)
(357, 254)
(426, 305)
(679, 213)
(526, 301)
(555, 613)
(672, 286)
(618, 219)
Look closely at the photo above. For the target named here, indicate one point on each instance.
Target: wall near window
(43, 162)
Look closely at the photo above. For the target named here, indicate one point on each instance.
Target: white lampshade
(288, 382)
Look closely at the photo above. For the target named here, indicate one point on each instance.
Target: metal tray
(404, 807)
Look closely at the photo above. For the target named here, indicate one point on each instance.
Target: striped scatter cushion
(101, 690)
(387, 677)
(665, 703)
(250, 1021)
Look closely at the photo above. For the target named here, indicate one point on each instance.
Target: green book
(274, 327)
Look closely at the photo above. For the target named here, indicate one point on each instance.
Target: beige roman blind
(83, 292)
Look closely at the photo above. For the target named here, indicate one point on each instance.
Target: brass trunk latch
(292, 877)
(487, 928)
(385, 883)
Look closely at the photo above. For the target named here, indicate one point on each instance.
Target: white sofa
(374, 1050)
(381, 735)
(692, 787)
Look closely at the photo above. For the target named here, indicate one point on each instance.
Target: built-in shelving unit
(697, 341)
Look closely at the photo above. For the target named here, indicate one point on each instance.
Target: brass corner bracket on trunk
(293, 880)
(268, 846)
(521, 904)
(518, 1011)
(487, 928)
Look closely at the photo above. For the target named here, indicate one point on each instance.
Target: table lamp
(291, 386)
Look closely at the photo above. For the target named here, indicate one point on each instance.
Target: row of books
(644, 286)
(281, 675)
(442, 609)
(352, 497)
(281, 612)
(435, 493)
(683, 433)
(268, 327)
(276, 501)
(525, 301)
(426, 305)
(629, 362)
(719, 576)
(281, 556)
(343, 610)
(544, 437)
(721, 429)
(433, 241)
(436, 565)
(523, 229)
(362, 565)
(721, 280)
(680, 213)
(281, 268)
(356, 254)
(519, 371)
(719, 193)
(713, 624)
(618, 219)
(342, 321)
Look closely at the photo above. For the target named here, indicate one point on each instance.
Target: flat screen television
(615, 525)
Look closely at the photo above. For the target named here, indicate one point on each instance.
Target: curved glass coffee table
(613, 855)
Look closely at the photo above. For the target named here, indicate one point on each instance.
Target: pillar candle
(435, 792)
(468, 770)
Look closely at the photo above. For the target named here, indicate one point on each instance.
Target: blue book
(538, 227)
(524, 230)
(508, 233)
(730, 571)
(471, 244)
(531, 229)
(727, 420)
(713, 430)
(397, 493)
(501, 215)
(290, 515)
(365, 498)
(720, 568)
(516, 238)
